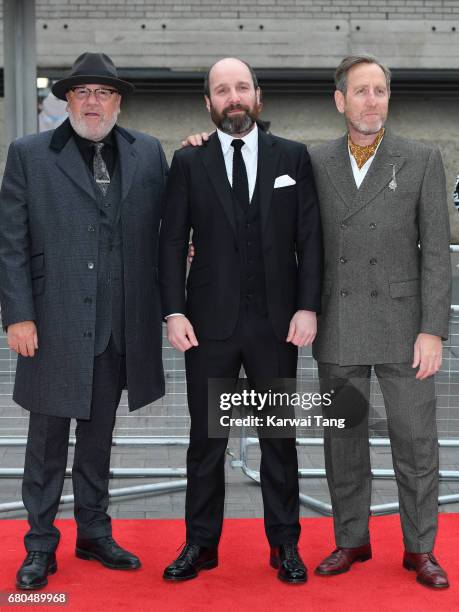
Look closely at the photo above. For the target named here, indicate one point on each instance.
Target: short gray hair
(354, 60)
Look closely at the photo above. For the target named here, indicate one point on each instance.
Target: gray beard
(366, 132)
(236, 125)
(82, 130)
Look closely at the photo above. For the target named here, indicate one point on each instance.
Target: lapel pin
(393, 183)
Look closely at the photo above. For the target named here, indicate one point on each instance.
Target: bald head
(229, 68)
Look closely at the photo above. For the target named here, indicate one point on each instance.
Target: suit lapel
(127, 157)
(212, 158)
(71, 163)
(268, 158)
(339, 170)
(69, 159)
(380, 174)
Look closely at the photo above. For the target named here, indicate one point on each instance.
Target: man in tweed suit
(79, 216)
(385, 304)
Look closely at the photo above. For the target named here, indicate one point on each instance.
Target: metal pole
(160, 487)
(20, 68)
(118, 441)
(377, 474)
(443, 443)
(114, 472)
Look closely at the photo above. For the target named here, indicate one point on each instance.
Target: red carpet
(244, 580)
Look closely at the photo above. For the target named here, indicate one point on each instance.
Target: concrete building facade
(165, 47)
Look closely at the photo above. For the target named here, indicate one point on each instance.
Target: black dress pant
(46, 460)
(255, 346)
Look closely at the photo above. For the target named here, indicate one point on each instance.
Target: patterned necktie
(101, 175)
(363, 154)
(240, 181)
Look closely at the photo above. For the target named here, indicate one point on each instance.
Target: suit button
(342, 260)
(87, 300)
(344, 225)
(90, 265)
(372, 226)
(373, 261)
(91, 228)
(249, 244)
(374, 293)
(344, 293)
(87, 334)
(247, 225)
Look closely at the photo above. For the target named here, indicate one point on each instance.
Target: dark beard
(237, 124)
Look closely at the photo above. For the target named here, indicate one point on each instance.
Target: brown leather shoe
(429, 571)
(341, 559)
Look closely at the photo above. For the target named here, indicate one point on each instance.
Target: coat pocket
(405, 288)
(37, 263)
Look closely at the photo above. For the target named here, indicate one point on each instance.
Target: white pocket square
(284, 181)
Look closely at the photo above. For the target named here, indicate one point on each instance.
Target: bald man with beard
(253, 292)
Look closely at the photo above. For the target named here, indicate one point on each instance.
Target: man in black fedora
(79, 215)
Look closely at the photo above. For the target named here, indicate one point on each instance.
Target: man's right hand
(180, 333)
(23, 338)
(195, 140)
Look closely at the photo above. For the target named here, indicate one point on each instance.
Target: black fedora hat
(91, 68)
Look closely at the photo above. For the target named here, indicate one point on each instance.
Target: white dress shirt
(360, 173)
(249, 155)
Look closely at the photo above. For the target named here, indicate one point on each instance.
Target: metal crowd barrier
(377, 474)
(166, 424)
(448, 376)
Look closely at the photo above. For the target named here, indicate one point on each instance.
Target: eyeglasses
(102, 93)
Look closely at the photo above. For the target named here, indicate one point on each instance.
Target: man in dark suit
(252, 295)
(79, 217)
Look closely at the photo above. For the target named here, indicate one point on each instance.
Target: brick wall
(240, 9)
(191, 34)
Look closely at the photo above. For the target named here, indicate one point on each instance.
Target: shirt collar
(250, 140)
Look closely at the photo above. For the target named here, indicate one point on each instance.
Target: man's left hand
(427, 355)
(303, 328)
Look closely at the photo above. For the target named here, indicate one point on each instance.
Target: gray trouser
(410, 408)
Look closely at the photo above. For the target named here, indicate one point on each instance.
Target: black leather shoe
(191, 560)
(287, 560)
(108, 552)
(34, 570)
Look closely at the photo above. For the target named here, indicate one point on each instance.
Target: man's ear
(207, 101)
(340, 101)
(258, 95)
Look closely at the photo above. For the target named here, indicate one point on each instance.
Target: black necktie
(101, 175)
(240, 182)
